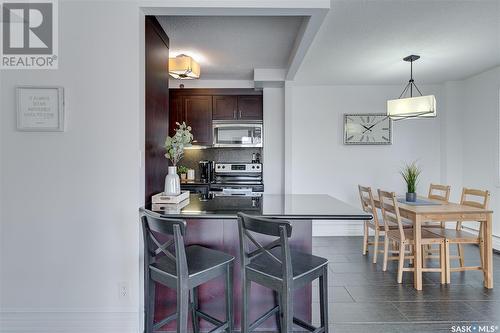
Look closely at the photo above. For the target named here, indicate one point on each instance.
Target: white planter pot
(172, 182)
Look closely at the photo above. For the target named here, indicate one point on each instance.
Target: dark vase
(411, 197)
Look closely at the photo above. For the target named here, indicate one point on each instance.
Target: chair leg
(323, 299)
(460, 249)
(276, 298)
(286, 310)
(411, 253)
(194, 307)
(149, 305)
(401, 262)
(245, 293)
(386, 250)
(182, 309)
(447, 259)
(229, 298)
(442, 261)
(365, 238)
(375, 245)
(481, 244)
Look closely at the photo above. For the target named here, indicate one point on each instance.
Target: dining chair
(376, 224)
(473, 198)
(280, 269)
(184, 269)
(440, 193)
(404, 237)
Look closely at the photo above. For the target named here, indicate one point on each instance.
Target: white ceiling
(363, 42)
(230, 47)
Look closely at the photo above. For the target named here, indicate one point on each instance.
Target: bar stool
(276, 267)
(183, 270)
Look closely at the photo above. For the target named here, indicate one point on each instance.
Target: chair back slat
(474, 198)
(368, 204)
(439, 192)
(164, 237)
(390, 211)
(250, 226)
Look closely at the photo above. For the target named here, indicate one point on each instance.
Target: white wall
(274, 153)
(70, 218)
(480, 137)
(319, 162)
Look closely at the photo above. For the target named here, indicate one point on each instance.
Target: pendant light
(183, 67)
(412, 106)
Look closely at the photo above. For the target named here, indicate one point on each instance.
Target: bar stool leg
(194, 307)
(245, 292)
(276, 297)
(149, 314)
(323, 299)
(229, 297)
(182, 309)
(286, 308)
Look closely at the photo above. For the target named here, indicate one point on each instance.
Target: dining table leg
(417, 262)
(488, 251)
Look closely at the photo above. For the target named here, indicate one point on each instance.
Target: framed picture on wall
(40, 109)
(367, 129)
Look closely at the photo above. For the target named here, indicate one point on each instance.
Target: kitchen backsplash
(193, 156)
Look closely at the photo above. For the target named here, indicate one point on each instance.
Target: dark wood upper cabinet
(198, 115)
(156, 106)
(250, 107)
(225, 107)
(176, 113)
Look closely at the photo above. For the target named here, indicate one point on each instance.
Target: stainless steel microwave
(237, 133)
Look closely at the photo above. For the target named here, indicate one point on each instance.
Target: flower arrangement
(175, 145)
(410, 174)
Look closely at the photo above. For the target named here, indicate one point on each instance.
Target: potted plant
(410, 174)
(182, 171)
(175, 151)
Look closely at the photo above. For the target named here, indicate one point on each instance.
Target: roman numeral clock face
(367, 129)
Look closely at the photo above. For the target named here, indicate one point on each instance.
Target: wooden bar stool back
(183, 269)
(275, 266)
(404, 237)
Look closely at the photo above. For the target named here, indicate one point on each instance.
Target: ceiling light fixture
(183, 67)
(411, 107)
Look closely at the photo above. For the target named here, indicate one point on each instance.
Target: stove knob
(253, 166)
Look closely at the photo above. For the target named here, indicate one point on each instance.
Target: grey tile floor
(363, 298)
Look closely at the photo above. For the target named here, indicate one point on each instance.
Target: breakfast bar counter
(211, 222)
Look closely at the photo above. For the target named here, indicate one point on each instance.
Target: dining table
(439, 211)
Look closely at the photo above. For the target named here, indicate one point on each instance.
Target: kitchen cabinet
(245, 107)
(198, 107)
(250, 107)
(225, 107)
(198, 114)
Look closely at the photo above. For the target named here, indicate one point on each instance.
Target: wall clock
(367, 129)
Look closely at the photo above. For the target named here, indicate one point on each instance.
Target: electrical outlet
(123, 289)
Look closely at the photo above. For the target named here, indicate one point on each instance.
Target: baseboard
(337, 228)
(93, 321)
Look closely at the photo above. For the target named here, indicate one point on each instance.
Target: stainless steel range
(238, 179)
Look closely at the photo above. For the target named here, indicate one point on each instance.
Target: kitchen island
(211, 222)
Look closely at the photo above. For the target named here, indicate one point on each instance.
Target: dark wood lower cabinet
(223, 235)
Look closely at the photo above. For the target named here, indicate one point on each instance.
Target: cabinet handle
(239, 116)
(234, 114)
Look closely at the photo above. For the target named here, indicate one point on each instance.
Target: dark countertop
(292, 206)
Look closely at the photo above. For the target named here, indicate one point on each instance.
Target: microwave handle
(234, 114)
(239, 115)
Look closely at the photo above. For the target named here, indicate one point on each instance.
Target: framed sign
(40, 109)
